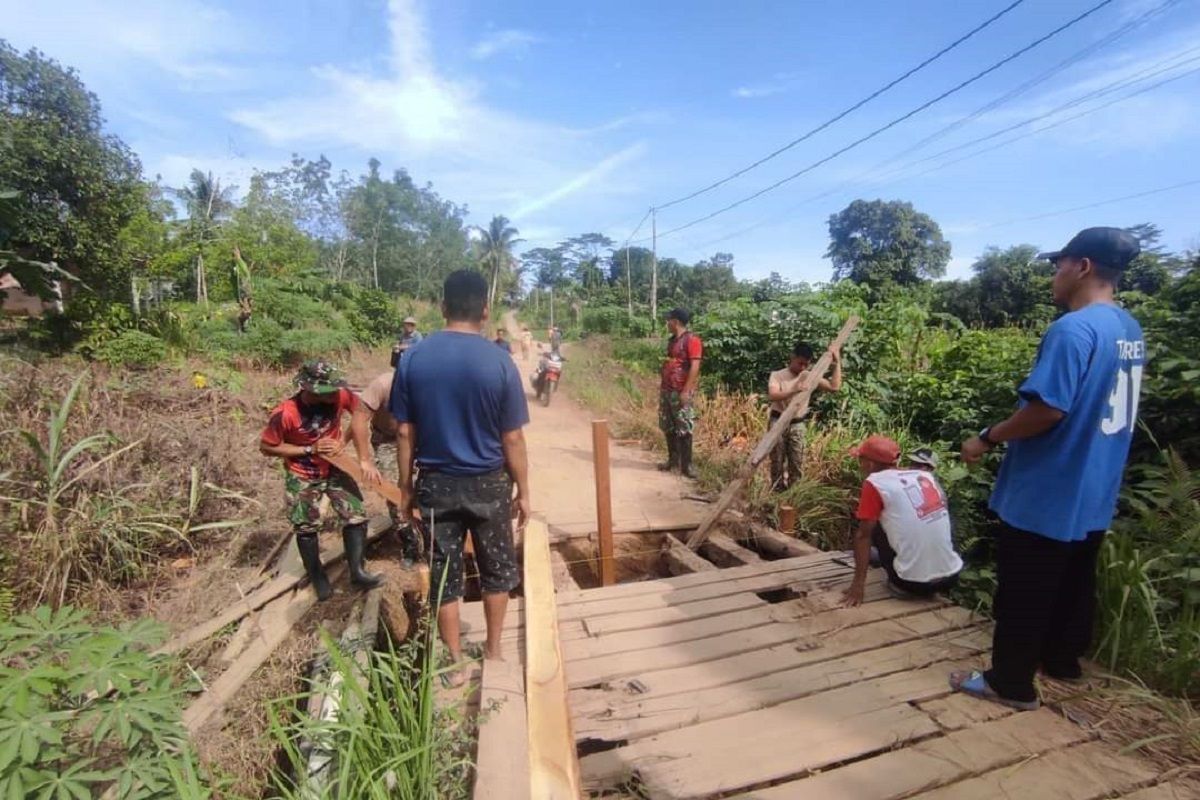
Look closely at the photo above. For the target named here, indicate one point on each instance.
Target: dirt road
(562, 474)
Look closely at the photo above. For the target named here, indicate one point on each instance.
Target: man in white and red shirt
(902, 513)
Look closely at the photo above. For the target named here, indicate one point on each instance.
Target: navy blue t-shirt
(1064, 483)
(462, 393)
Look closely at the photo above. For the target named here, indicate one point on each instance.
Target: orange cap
(878, 448)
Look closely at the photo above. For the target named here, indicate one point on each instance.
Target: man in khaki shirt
(782, 385)
(373, 411)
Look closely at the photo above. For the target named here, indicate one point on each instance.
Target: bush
(83, 708)
(132, 348)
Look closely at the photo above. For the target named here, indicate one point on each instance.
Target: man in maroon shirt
(301, 430)
(680, 377)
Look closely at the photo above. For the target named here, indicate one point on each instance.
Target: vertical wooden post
(608, 573)
(787, 520)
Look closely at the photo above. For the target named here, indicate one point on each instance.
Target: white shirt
(916, 520)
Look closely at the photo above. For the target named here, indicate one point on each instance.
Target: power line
(1122, 83)
(962, 85)
(1097, 204)
(847, 111)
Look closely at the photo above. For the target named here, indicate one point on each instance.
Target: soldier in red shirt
(680, 377)
(302, 429)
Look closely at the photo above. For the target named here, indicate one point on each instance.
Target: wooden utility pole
(628, 282)
(654, 269)
(604, 525)
(798, 406)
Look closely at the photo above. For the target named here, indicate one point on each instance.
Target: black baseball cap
(1110, 247)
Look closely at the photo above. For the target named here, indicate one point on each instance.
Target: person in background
(373, 420)
(782, 386)
(526, 342)
(677, 392)
(409, 336)
(502, 342)
(1056, 492)
(556, 337)
(302, 430)
(461, 408)
(904, 515)
(923, 458)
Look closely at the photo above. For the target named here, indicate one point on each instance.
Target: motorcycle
(545, 380)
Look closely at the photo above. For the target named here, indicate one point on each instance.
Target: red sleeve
(273, 434)
(695, 348)
(870, 503)
(349, 401)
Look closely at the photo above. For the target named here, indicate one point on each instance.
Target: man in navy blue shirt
(460, 406)
(1057, 488)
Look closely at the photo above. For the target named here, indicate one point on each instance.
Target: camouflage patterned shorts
(676, 416)
(304, 500)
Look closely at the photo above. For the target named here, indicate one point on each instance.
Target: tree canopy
(878, 242)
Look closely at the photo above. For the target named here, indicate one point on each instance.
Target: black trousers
(887, 560)
(1045, 608)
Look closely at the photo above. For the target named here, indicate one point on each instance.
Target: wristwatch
(984, 436)
(308, 449)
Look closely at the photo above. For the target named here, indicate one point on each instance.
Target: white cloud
(441, 127)
(505, 41)
(751, 92)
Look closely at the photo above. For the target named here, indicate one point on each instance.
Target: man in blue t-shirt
(460, 406)
(1057, 488)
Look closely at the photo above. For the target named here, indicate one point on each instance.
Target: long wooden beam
(553, 762)
(797, 407)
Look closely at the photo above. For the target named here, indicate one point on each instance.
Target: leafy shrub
(83, 708)
(132, 348)
(297, 345)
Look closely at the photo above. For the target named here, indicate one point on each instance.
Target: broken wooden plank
(772, 542)
(937, 762)
(553, 764)
(276, 623)
(274, 588)
(679, 559)
(629, 716)
(725, 552)
(798, 406)
(1088, 772)
(502, 765)
(773, 743)
(957, 711)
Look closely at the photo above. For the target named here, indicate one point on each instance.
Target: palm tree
(207, 202)
(496, 243)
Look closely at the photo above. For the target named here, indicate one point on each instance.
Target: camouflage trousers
(787, 454)
(385, 461)
(676, 415)
(304, 500)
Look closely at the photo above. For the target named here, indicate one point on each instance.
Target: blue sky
(571, 117)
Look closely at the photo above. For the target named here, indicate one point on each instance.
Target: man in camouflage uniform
(782, 386)
(302, 430)
(680, 378)
(373, 415)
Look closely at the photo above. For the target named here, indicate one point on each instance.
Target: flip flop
(974, 684)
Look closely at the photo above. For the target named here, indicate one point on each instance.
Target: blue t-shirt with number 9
(1064, 483)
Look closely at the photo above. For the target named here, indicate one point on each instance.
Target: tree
(208, 204)
(68, 188)
(629, 267)
(881, 242)
(1152, 271)
(495, 250)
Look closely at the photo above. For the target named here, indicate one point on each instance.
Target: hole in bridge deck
(587, 747)
(779, 595)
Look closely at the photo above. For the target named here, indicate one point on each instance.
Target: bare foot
(455, 677)
(493, 655)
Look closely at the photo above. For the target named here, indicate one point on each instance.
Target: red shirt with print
(293, 422)
(682, 350)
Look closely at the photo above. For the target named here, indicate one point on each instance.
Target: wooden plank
(566, 532)
(781, 635)
(275, 624)
(773, 743)
(1088, 772)
(934, 763)
(634, 717)
(680, 560)
(773, 542)
(560, 572)
(725, 552)
(502, 764)
(604, 526)
(957, 711)
(798, 406)
(1165, 791)
(274, 588)
(553, 764)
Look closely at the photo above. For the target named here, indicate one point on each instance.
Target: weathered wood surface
(798, 406)
(725, 552)
(502, 766)
(553, 765)
(679, 559)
